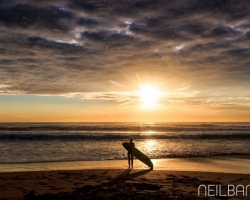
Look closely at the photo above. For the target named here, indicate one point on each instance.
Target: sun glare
(150, 145)
(149, 95)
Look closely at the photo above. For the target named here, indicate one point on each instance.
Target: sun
(149, 95)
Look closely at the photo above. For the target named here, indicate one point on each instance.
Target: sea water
(62, 142)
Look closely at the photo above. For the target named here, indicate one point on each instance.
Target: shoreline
(110, 179)
(221, 164)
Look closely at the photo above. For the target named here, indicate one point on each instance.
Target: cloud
(65, 47)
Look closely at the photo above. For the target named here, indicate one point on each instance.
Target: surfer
(130, 156)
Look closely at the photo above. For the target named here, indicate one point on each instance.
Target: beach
(87, 161)
(91, 88)
(179, 179)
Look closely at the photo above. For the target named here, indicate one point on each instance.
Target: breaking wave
(120, 136)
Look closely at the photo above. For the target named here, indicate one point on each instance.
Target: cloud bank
(63, 47)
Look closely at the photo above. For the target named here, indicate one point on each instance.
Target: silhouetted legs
(130, 160)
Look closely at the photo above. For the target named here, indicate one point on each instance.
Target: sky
(90, 61)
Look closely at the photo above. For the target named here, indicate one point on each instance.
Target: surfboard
(138, 154)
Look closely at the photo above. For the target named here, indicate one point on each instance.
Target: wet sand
(211, 164)
(138, 183)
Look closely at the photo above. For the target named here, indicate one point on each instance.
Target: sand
(210, 164)
(121, 183)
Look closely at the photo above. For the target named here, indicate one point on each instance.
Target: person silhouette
(130, 156)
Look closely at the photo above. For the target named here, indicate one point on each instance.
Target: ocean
(62, 142)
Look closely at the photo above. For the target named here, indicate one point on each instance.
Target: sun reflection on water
(149, 132)
(149, 145)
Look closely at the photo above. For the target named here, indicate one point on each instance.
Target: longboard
(138, 154)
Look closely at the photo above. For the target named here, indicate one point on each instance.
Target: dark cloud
(42, 43)
(88, 22)
(89, 6)
(28, 16)
(53, 47)
(223, 32)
